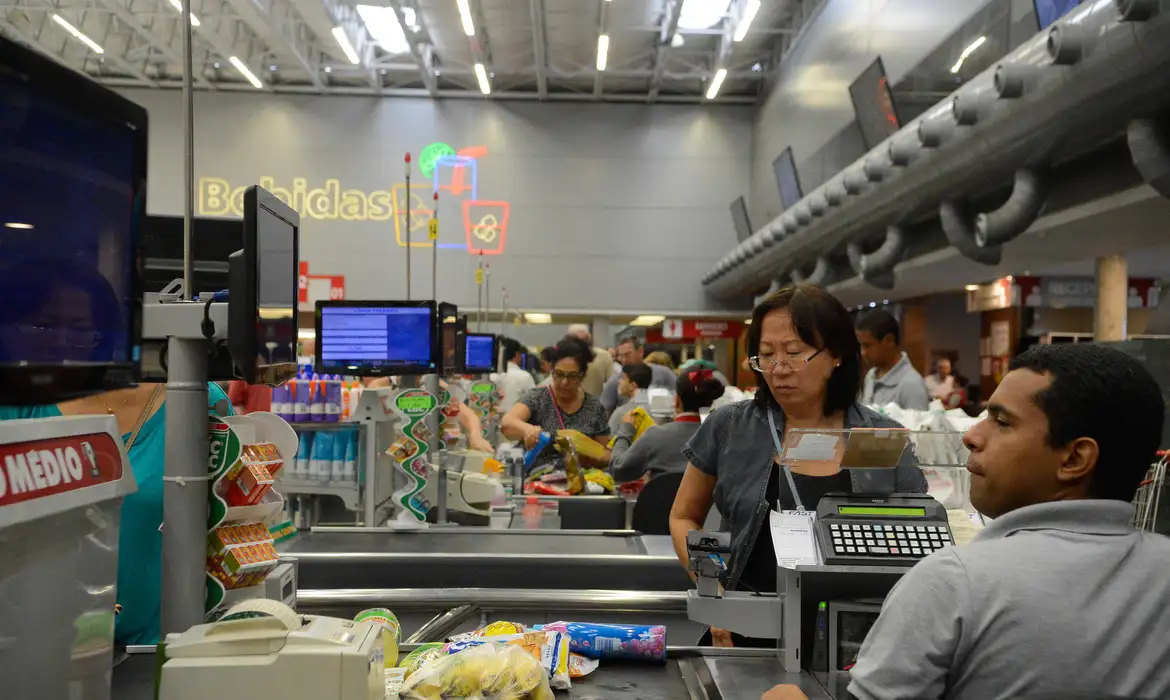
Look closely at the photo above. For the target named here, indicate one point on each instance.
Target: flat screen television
(739, 218)
(1048, 11)
(479, 355)
(377, 338)
(873, 103)
(73, 168)
(787, 179)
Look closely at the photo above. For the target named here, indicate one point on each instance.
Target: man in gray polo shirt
(1058, 596)
(891, 377)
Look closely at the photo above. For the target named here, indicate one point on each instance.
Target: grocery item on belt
(551, 648)
(602, 641)
(391, 632)
(420, 657)
(581, 666)
(482, 671)
(495, 629)
(586, 446)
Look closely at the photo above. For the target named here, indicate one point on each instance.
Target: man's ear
(1080, 459)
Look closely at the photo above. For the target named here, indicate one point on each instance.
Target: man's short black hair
(639, 373)
(630, 340)
(700, 392)
(880, 323)
(1101, 393)
(575, 348)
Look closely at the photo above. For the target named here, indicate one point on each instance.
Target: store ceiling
(290, 46)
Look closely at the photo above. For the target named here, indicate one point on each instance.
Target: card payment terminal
(893, 530)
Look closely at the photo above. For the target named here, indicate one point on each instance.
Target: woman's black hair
(823, 323)
(570, 347)
(700, 392)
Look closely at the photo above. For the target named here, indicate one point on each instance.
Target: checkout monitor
(377, 338)
(479, 353)
(73, 164)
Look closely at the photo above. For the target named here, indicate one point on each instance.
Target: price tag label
(479, 276)
(433, 229)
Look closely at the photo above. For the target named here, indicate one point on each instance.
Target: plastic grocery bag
(481, 672)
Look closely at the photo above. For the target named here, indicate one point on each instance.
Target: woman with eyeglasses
(563, 405)
(807, 361)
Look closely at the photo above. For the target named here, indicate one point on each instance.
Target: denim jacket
(734, 445)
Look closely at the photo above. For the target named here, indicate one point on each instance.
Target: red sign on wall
(682, 330)
(310, 288)
(31, 470)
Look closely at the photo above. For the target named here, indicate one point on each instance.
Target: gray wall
(613, 207)
(808, 103)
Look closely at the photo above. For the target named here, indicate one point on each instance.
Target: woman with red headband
(659, 450)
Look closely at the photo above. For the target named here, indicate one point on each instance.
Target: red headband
(700, 375)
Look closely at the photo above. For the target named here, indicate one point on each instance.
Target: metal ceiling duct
(1003, 225)
(818, 276)
(961, 234)
(877, 267)
(1149, 146)
(1066, 90)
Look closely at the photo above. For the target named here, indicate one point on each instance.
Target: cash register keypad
(882, 540)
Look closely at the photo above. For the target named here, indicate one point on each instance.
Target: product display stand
(373, 410)
(484, 400)
(410, 450)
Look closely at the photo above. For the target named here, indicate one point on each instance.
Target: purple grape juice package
(604, 641)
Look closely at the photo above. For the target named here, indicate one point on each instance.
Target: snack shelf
(350, 494)
(272, 504)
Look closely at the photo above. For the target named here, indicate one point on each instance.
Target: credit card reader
(894, 530)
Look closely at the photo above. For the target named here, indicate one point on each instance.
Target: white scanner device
(467, 492)
(262, 649)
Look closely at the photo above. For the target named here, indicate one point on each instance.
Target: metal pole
(188, 154)
(479, 291)
(435, 254)
(431, 385)
(487, 292)
(408, 226)
(370, 459)
(184, 531)
(503, 308)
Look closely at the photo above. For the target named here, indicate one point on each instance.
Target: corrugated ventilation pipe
(1016, 215)
(819, 274)
(956, 225)
(1149, 146)
(877, 268)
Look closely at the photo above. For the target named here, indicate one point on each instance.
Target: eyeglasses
(793, 363)
(560, 376)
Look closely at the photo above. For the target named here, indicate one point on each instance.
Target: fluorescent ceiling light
(249, 75)
(967, 52)
(538, 318)
(78, 35)
(19, 225)
(481, 75)
(410, 18)
(647, 320)
(602, 51)
(702, 14)
(307, 333)
(179, 8)
(716, 83)
(972, 287)
(383, 26)
(346, 47)
(749, 13)
(465, 17)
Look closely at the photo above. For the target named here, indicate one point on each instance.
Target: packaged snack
(642, 421)
(402, 449)
(581, 666)
(586, 446)
(601, 479)
(495, 629)
(551, 648)
(485, 671)
(601, 641)
(423, 655)
(247, 484)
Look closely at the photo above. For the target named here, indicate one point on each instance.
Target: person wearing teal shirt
(139, 541)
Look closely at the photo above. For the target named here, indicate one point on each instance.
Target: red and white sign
(688, 330)
(32, 470)
(312, 288)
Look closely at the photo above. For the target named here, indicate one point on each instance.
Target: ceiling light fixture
(647, 320)
(465, 17)
(745, 20)
(967, 52)
(78, 35)
(346, 47)
(248, 75)
(384, 27)
(602, 51)
(481, 75)
(18, 225)
(971, 288)
(702, 14)
(306, 333)
(716, 83)
(179, 8)
(538, 318)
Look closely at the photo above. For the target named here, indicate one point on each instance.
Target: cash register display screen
(376, 337)
(480, 351)
(882, 512)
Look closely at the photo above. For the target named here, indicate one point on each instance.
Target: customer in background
(630, 351)
(249, 398)
(1059, 596)
(562, 406)
(600, 363)
(659, 450)
(661, 359)
(891, 377)
(804, 353)
(632, 386)
(513, 381)
(546, 365)
(941, 384)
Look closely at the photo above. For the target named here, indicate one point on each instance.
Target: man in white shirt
(514, 381)
(941, 384)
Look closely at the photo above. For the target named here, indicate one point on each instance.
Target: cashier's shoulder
(739, 414)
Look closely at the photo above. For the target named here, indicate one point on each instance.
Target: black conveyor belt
(456, 542)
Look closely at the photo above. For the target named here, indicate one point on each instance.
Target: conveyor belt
(466, 541)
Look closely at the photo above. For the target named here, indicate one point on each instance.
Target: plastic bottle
(355, 397)
(301, 398)
(344, 400)
(333, 399)
(301, 461)
(321, 456)
(349, 471)
(337, 459)
(316, 399)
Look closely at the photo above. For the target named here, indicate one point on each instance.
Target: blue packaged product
(300, 392)
(321, 461)
(530, 457)
(337, 461)
(333, 399)
(304, 451)
(349, 472)
(626, 642)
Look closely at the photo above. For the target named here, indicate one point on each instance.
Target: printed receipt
(793, 539)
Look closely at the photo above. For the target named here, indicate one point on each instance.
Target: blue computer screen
(1048, 11)
(479, 353)
(376, 336)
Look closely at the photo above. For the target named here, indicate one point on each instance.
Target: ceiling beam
(539, 46)
(161, 45)
(480, 48)
(422, 53)
(671, 12)
(280, 26)
(108, 56)
(598, 75)
(25, 38)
